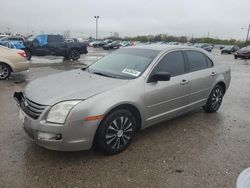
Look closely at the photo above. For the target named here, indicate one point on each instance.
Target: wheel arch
(125, 106)
(131, 108)
(2, 62)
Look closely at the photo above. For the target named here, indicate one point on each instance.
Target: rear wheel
(116, 132)
(5, 71)
(215, 99)
(74, 54)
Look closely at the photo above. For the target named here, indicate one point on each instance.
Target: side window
(209, 63)
(55, 38)
(197, 61)
(173, 63)
(42, 39)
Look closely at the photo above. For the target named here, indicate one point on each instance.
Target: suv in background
(229, 49)
(56, 45)
(207, 47)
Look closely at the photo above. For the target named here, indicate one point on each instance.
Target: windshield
(127, 63)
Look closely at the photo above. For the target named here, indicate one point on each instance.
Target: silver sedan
(125, 91)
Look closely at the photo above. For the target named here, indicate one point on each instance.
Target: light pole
(248, 30)
(96, 21)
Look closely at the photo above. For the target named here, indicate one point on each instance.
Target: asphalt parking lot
(194, 150)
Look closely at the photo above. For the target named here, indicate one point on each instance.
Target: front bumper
(74, 135)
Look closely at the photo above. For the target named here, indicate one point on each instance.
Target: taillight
(23, 54)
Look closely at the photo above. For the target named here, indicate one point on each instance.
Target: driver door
(166, 99)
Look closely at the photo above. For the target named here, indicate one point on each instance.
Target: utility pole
(247, 35)
(96, 21)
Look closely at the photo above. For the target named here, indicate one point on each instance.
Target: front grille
(31, 108)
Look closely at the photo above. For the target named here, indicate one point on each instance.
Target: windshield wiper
(102, 74)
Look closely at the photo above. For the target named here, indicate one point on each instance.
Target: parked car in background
(16, 45)
(125, 44)
(5, 40)
(56, 45)
(173, 43)
(12, 60)
(229, 49)
(125, 91)
(205, 46)
(1, 36)
(99, 44)
(243, 53)
(222, 46)
(112, 45)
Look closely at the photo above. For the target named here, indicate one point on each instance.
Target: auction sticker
(131, 72)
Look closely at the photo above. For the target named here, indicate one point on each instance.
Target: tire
(74, 54)
(215, 99)
(28, 55)
(116, 132)
(235, 57)
(5, 71)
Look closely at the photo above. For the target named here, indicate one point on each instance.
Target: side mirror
(159, 76)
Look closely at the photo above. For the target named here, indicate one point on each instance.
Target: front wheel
(235, 57)
(116, 132)
(215, 99)
(74, 54)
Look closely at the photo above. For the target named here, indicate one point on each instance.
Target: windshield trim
(154, 54)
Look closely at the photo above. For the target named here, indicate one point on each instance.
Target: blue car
(5, 40)
(15, 44)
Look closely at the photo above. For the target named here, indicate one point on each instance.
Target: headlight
(59, 112)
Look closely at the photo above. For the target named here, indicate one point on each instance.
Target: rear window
(55, 38)
(198, 61)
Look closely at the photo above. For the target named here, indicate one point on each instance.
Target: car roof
(162, 47)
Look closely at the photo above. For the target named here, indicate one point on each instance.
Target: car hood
(75, 84)
(243, 51)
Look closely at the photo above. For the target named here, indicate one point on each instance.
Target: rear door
(165, 99)
(201, 75)
(56, 44)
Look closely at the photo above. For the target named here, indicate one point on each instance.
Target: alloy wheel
(119, 132)
(4, 72)
(75, 55)
(217, 98)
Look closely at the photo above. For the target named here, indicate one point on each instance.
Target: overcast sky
(221, 18)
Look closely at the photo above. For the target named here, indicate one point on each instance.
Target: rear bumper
(21, 66)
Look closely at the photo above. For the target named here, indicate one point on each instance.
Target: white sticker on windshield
(131, 72)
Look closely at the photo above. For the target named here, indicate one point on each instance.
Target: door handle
(184, 82)
(213, 74)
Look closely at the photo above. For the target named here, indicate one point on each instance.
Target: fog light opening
(49, 136)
